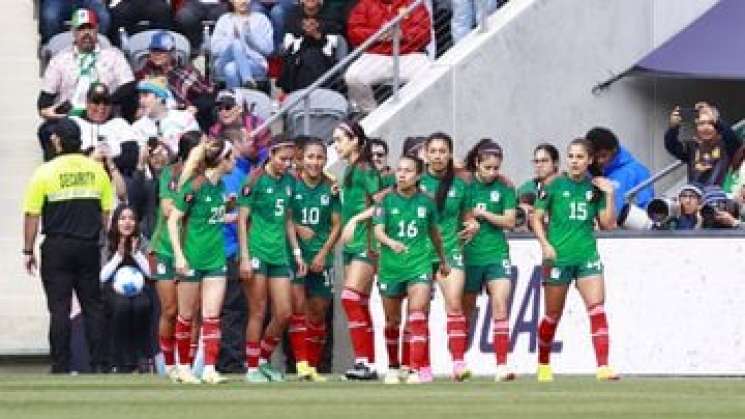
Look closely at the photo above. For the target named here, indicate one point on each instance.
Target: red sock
(418, 345)
(211, 339)
(268, 345)
(351, 300)
(406, 347)
(315, 339)
(599, 331)
(166, 347)
(252, 354)
(193, 347)
(183, 340)
(391, 344)
(426, 362)
(298, 336)
(457, 336)
(546, 332)
(369, 331)
(501, 340)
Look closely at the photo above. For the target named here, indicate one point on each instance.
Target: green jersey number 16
(407, 230)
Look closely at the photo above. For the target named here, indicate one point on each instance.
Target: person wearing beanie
(68, 194)
(158, 120)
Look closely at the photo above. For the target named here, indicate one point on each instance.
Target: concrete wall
(529, 79)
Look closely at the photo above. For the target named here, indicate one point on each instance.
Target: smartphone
(688, 114)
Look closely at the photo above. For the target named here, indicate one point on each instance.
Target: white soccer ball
(128, 281)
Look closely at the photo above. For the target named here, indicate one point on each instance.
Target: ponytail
(354, 130)
(483, 147)
(447, 181)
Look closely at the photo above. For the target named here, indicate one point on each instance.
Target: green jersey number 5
(279, 207)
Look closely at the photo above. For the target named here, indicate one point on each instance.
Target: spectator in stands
(308, 56)
(376, 64)
(54, 13)
(130, 314)
(379, 152)
(233, 114)
(467, 14)
(709, 155)
(276, 11)
(192, 13)
(137, 16)
(330, 22)
(70, 73)
(158, 121)
(619, 166)
(188, 86)
(241, 42)
(98, 126)
(718, 211)
(72, 210)
(689, 199)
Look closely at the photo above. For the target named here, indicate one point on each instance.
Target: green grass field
(30, 396)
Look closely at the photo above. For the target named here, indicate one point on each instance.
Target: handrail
(631, 193)
(393, 24)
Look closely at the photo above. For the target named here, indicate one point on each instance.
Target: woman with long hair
(264, 228)
(406, 227)
(129, 305)
(195, 225)
(573, 202)
(359, 186)
(487, 255)
(316, 214)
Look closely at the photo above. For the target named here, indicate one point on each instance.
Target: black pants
(233, 323)
(69, 264)
(130, 328)
(139, 15)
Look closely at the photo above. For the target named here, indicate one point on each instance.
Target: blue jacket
(233, 182)
(626, 172)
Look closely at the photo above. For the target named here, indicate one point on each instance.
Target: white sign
(674, 306)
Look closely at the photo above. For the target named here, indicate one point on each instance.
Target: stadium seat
(60, 42)
(136, 47)
(260, 104)
(327, 109)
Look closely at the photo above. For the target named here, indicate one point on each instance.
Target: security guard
(73, 196)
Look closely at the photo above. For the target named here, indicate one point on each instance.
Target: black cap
(98, 92)
(67, 130)
(227, 98)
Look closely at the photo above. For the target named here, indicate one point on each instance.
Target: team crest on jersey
(298, 197)
(269, 190)
(423, 188)
(394, 211)
(324, 199)
(566, 194)
(588, 195)
(494, 196)
(421, 212)
(208, 198)
(451, 193)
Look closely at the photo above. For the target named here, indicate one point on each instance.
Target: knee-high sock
(298, 337)
(167, 346)
(211, 339)
(418, 345)
(268, 345)
(457, 336)
(183, 340)
(599, 331)
(370, 331)
(357, 323)
(501, 340)
(392, 334)
(546, 332)
(315, 339)
(252, 354)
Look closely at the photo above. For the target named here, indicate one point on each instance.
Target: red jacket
(367, 16)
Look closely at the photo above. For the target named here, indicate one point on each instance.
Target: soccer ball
(128, 281)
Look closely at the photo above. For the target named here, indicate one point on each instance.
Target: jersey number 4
(578, 211)
(407, 230)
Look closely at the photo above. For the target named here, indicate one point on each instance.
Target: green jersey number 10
(310, 216)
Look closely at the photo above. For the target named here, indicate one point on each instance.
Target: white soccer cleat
(392, 376)
(504, 374)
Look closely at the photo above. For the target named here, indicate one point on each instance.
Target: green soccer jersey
(387, 181)
(313, 207)
(202, 226)
(406, 220)
(529, 187)
(572, 207)
(456, 204)
(167, 189)
(356, 196)
(268, 198)
(489, 245)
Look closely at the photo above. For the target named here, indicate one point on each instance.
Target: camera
(631, 217)
(709, 211)
(660, 210)
(521, 216)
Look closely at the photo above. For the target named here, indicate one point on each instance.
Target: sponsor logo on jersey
(421, 212)
(494, 196)
(566, 194)
(208, 198)
(325, 199)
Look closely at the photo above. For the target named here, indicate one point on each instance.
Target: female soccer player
(456, 222)
(487, 254)
(162, 250)
(316, 214)
(573, 201)
(264, 228)
(198, 215)
(406, 226)
(358, 188)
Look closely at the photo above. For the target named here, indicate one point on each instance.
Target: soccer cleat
(425, 375)
(361, 371)
(212, 377)
(172, 373)
(414, 378)
(504, 374)
(606, 373)
(403, 373)
(255, 376)
(545, 374)
(392, 376)
(270, 373)
(304, 370)
(316, 377)
(461, 371)
(184, 375)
